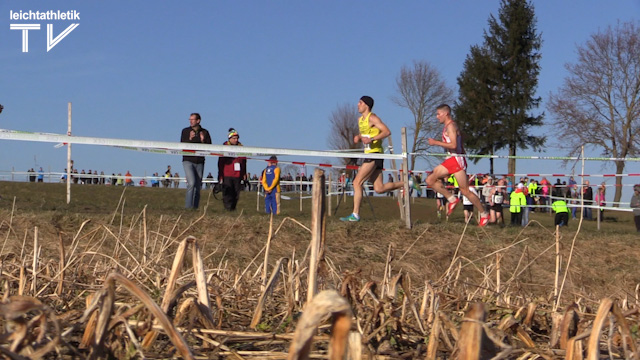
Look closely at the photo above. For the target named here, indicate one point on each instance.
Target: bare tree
(344, 126)
(599, 102)
(421, 90)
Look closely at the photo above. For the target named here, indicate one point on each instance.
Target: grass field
(137, 232)
(360, 245)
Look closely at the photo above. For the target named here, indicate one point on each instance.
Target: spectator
(562, 212)
(487, 190)
(587, 197)
(254, 185)
(120, 180)
(154, 180)
(498, 194)
(128, 179)
(574, 202)
(304, 183)
(529, 201)
(271, 184)
(231, 172)
(558, 186)
(417, 184)
(601, 201)
(31, 175)
(545, 191)
(40, 175)
(467, 205)
(534, 190)
(167, 177)
(635, 205)
(194, 165)
(176, 180)
(441, 201)
(518, 202)
(247, 182)
(209, 182)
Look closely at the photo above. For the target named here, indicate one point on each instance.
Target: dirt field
(138, 230)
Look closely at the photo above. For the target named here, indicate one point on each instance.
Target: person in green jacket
(562, 212)
(518, 201)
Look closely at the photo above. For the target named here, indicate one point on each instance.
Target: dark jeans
(231, 192)
(637, 220)
(562, 219)
(516, 219)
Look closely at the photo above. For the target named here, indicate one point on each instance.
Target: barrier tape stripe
(527, 157)
(178, 148)
(355, 167)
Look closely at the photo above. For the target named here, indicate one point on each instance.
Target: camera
(217, 188)
(196, 129)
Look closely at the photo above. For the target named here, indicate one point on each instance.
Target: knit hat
(233, 132)
(520, 185)
(273, 158)
(636, 187)
(368, 100)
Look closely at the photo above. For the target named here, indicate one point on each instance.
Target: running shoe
(351, 217)
(484, 220)
(452, 205)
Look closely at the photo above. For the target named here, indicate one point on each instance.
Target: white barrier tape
(540, 174)
(471, 156)
(178, 148)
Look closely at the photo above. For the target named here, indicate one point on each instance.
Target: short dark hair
(196, 115)
(444, 107)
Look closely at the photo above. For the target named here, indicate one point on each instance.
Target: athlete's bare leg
(463, 185)
(368, 171)
(439, 172)
(379, 186)
(364, 173)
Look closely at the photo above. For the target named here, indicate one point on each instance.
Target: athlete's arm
(375, 121)
(452, 130)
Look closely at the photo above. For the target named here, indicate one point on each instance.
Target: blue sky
(274, 70)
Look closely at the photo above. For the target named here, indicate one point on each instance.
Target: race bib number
(236, 166)
(497, 199)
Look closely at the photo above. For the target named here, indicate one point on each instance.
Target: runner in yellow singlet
(372, 132)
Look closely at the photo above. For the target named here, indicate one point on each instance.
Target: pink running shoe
(484, 220)
(452, 205)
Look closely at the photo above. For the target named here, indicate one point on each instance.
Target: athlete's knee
(431, 180)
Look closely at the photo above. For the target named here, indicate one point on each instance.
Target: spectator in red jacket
(232, 171)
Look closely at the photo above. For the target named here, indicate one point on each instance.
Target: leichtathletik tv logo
(30, 22)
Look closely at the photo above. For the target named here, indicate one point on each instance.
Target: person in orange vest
(128, 181)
